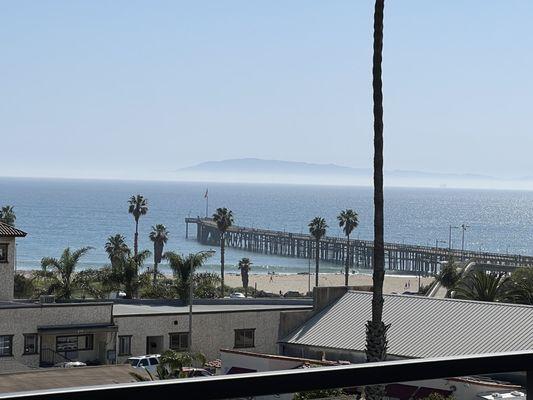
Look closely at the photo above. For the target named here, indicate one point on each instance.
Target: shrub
(24, 287)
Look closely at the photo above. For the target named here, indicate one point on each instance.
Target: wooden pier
(399, 257)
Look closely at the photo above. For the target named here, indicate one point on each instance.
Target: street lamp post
(464, 227)
(191, 285)
(450, 236)
(309, 266)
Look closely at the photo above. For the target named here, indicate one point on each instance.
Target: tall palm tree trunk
(347, 266)
(376, 330)
(317, 259)
(128, 290)
(136, 239)
(155, 273)
(68, 291)
(222, 249)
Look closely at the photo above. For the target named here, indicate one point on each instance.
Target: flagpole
(206, 202)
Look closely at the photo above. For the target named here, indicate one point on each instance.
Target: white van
(149, 362)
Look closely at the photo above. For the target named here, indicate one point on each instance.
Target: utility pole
(309, 267)
(464, 227)
(450, 236)
(209, 253)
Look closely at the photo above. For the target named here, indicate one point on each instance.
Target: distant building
(8, 249)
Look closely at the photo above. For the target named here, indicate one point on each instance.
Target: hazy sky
(142, 88)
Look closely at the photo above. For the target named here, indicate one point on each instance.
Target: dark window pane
(3, 252)
(179, 341)
(124, 345)
(244, 338)
(6, 345)
(30, 344)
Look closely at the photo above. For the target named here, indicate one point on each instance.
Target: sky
(138, 89)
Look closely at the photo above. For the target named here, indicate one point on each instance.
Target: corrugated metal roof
(10, 231)
(421, 326)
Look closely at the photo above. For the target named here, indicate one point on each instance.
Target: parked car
(149, 362)
(237, 295)
(70, 364)
(196, 372)
(292, 293)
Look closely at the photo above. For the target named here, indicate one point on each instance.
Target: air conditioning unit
(47, 299)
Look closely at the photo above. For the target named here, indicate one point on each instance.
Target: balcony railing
(289, 381)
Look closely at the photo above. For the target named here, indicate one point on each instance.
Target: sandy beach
(284, 283)
(296, 282)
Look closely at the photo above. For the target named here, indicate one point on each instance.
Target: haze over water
(75, 213)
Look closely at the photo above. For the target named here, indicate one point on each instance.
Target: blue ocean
(60, 213)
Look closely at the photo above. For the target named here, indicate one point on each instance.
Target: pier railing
(400, 257)
(307, 379)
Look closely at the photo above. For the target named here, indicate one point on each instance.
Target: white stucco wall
(7, 270)
(211, 331)
(25, 320)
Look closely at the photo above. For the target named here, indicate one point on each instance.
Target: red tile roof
(10, 231)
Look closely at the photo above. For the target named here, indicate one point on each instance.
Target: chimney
(323, 296)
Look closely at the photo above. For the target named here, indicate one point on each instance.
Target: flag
(206, 195)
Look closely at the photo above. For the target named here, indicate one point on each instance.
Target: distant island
(294, 172)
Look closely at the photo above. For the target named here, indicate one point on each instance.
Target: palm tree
(448, 276)
(376, 330)
(245, 265)
(183, 268)
(174, 362)
(117, 250)
(224, 219)
(348, 221)
(7, 215)
(138, 206)
(64, 268)
(317, 229)
(129, 275)
(159, 236)
(520, 286)
(483, 286)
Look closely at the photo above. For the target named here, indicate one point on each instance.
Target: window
(30, 343)
(134, 362)
(74, 343)
(179, 341)
(124, 345)
(153, 361)
(143, 362)
(3, 252)
(244, 338)
(6, 345)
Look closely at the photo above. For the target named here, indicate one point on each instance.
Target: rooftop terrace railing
(289, 381)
